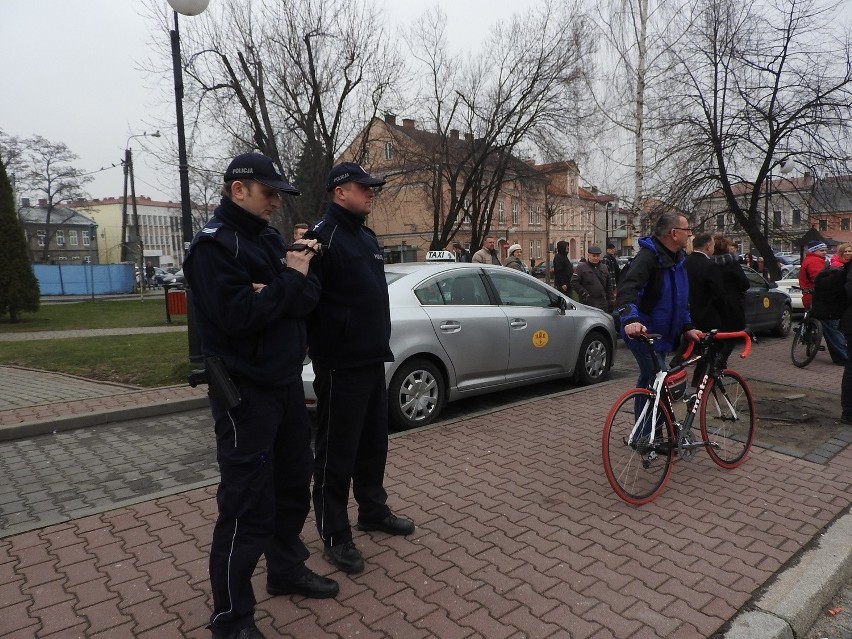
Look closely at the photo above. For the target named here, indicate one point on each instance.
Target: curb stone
(58, 424)
(790, 606)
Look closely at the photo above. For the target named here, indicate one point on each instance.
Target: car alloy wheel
(593, 360)
(416, 395)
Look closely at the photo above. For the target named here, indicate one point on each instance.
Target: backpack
(829, 293)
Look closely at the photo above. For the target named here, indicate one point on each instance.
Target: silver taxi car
(462, 329)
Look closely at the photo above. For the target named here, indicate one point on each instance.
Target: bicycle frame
(638, 453)
(706, 352)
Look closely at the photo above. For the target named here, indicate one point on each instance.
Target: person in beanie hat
(515, 259)
(250, 299)
(812, 264)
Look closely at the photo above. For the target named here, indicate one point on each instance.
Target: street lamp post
(92, 235)
(187, 8)
(128, 173)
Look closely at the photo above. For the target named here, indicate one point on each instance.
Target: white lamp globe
(786, 165)
(189, 7)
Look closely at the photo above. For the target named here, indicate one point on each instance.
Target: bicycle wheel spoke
(806, 342)
(727, 419)
(637, 458)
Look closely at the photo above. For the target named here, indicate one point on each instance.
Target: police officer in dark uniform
(349, 343)
(251, 298)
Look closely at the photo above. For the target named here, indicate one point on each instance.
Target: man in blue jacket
(653, 295)
(251, 298)
(349, 343)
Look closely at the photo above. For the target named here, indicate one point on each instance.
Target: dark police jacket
(351, 324)
(260, 336)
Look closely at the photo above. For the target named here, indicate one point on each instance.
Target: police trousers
(263, 447)
(351, 448)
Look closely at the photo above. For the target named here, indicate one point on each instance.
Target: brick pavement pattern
(519, 534)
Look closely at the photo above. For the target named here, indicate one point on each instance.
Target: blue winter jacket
(351, 324)
(261, 336)
(654, 290)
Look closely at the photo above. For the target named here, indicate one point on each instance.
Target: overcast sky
(72, 75)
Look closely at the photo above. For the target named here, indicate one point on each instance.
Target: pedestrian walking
(562, 268)
(812, 264)
(592, 283)
(735, 284)
(349, 343)
(251, 309)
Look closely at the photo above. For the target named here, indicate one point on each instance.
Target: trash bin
(176, 302)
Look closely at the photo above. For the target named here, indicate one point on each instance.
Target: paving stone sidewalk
(519, 535)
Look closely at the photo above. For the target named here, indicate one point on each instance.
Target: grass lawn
(97, 314)
(142, 360)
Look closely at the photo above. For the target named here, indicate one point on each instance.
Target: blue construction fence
(85, 279)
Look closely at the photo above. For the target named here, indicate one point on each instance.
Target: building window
(720, 222)
(532, 249)
(60, 238)
(41, 235)
(501, 213)
(776, 219)
(538, 216)
(515, 214)
(72, 238)
(388, 151)
(823, 225)
(561, 217)
(844, 224)
(797, 217)
(538, 249)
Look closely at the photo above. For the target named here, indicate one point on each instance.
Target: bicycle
(807, 337)
(641, 437)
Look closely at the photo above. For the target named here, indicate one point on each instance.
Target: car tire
(594, 360)
(416, 395)
(785, 323)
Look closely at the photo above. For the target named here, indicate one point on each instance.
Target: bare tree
(760, 84)
(634, 85)
(505, 100)
(48, 173)
(293, 80)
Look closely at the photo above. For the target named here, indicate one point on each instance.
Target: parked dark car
(174, 280)
(541, 269)
(767, 307)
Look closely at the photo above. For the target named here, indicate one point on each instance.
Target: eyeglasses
(682, 228)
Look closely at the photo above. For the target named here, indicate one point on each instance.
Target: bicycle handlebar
(729, 335)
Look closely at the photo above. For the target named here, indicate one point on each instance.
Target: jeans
(646, 364)
(846, 385)
(834, 340)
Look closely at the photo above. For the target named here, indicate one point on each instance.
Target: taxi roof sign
(440, 256)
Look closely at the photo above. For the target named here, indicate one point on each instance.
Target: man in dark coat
(592, 283)
(251, 298)
(706, 291)
(349, 343)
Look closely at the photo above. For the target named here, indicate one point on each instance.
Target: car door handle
(450, 327)
(517, 323)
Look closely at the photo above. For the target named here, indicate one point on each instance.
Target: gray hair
(666, 222)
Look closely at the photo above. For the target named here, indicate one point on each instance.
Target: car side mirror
(559, 302)
(772, 284)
